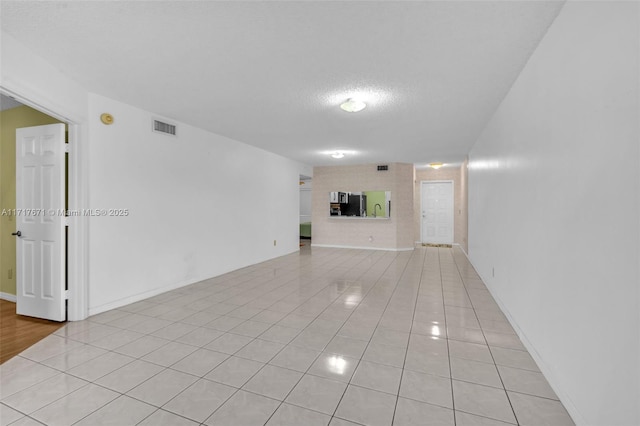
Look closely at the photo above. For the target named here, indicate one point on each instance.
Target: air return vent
(162, 127)
(383, 168)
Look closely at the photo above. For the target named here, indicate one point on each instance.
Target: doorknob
(17, 234)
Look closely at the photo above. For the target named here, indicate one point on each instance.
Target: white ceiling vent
(162, 127)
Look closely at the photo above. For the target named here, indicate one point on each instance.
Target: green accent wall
(10, 120)
(373, 198)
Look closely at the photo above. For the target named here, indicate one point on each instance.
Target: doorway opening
(18, 331)
(305, 211)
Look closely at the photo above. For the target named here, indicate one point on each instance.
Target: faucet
(374, 209)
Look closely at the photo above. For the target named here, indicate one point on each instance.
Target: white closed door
(40, 203)
(437, 212)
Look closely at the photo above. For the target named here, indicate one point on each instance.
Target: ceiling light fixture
(435, 165)
(338, 154)
(353, 105)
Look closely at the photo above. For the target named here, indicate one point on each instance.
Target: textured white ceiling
(272, 74)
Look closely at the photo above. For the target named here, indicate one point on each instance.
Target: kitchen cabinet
(338, 197)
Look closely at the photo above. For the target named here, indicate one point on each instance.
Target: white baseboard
(7, 296)
(141, 296)
(544, 368)
(461, 249)
(362, 248)
(419, 243)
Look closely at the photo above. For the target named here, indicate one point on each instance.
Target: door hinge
(66, 294)
(66, 221)
(66, 147)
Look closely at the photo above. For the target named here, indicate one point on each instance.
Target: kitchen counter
(359, 217)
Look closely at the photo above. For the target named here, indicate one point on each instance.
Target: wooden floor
(18, 332)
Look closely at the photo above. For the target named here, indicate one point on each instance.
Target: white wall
(554, 208)
(25, 74)
(201, 205)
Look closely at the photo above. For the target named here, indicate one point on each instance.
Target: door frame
(78, 195)
(453, 209)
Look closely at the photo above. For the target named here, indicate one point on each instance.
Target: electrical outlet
(274, 243)
(10, 273)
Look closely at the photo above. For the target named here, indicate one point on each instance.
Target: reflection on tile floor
(326, 336)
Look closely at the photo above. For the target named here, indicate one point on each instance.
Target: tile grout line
(135, 359)
(453, 399)
(485, 338)
(395, 289)
(413, 316)
(284, 346)
(371, 338)
(316, 358)
(267, 363)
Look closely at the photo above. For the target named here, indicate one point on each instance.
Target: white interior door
(305, 205)
(437, 212)
(40, 277)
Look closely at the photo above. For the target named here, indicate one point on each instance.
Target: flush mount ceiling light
(338, 153)
(435, 165)
(353, 105)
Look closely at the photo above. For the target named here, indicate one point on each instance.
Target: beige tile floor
(326, 336)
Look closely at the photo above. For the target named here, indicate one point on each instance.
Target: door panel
(40, 219)
(437, 212)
